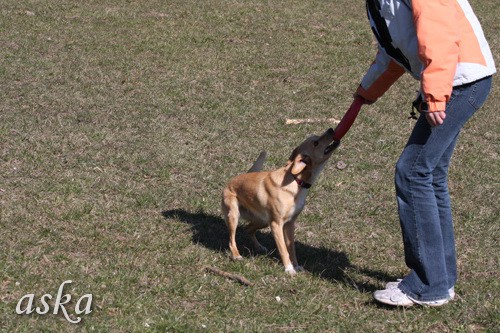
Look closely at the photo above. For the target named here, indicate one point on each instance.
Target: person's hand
(435, 118)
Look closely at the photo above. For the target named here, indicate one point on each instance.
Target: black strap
(381, 32)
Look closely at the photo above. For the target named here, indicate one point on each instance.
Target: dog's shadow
(211, 232)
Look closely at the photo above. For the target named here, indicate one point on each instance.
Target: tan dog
(276, 198)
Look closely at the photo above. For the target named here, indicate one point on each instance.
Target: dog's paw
(261, 250)
(237, 258)
(299, 268)
(290, 270)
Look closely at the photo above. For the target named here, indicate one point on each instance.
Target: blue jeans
(423, 198)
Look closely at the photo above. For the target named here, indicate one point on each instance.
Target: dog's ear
(299, 164)
(292, 157)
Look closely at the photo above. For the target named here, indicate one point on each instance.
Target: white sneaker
(393, 296)
(395, 284)
(396, 297)
(451, 292)
(438, 302)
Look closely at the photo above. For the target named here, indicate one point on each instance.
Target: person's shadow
(211, 232)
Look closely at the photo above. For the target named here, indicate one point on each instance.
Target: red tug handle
(348, 118)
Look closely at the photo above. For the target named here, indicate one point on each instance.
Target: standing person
(441, 44)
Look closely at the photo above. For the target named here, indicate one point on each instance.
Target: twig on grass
(311, 120)
(228, 275)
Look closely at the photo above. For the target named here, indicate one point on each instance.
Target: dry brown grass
(121, 122)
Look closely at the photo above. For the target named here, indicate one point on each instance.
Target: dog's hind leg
(251, 228)
(231, 215)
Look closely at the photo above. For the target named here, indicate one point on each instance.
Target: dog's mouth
(331, 147)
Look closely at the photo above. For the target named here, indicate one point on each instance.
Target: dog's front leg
(277, 230)
(289, 233)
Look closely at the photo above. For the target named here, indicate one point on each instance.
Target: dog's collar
(302, 183)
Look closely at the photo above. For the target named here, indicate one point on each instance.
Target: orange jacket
(439, 42)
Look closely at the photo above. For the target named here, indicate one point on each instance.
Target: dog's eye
(315, 143)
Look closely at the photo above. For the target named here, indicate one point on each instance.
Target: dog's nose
(330, 131)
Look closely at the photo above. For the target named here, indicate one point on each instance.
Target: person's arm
(437, 35)
(379, 78)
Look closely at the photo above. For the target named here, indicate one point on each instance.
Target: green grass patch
(121, 122)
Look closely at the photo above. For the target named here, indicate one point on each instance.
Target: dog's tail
(259, 163)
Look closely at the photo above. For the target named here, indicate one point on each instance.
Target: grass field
(121, 122)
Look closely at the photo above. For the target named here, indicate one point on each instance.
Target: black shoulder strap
(381, 32)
